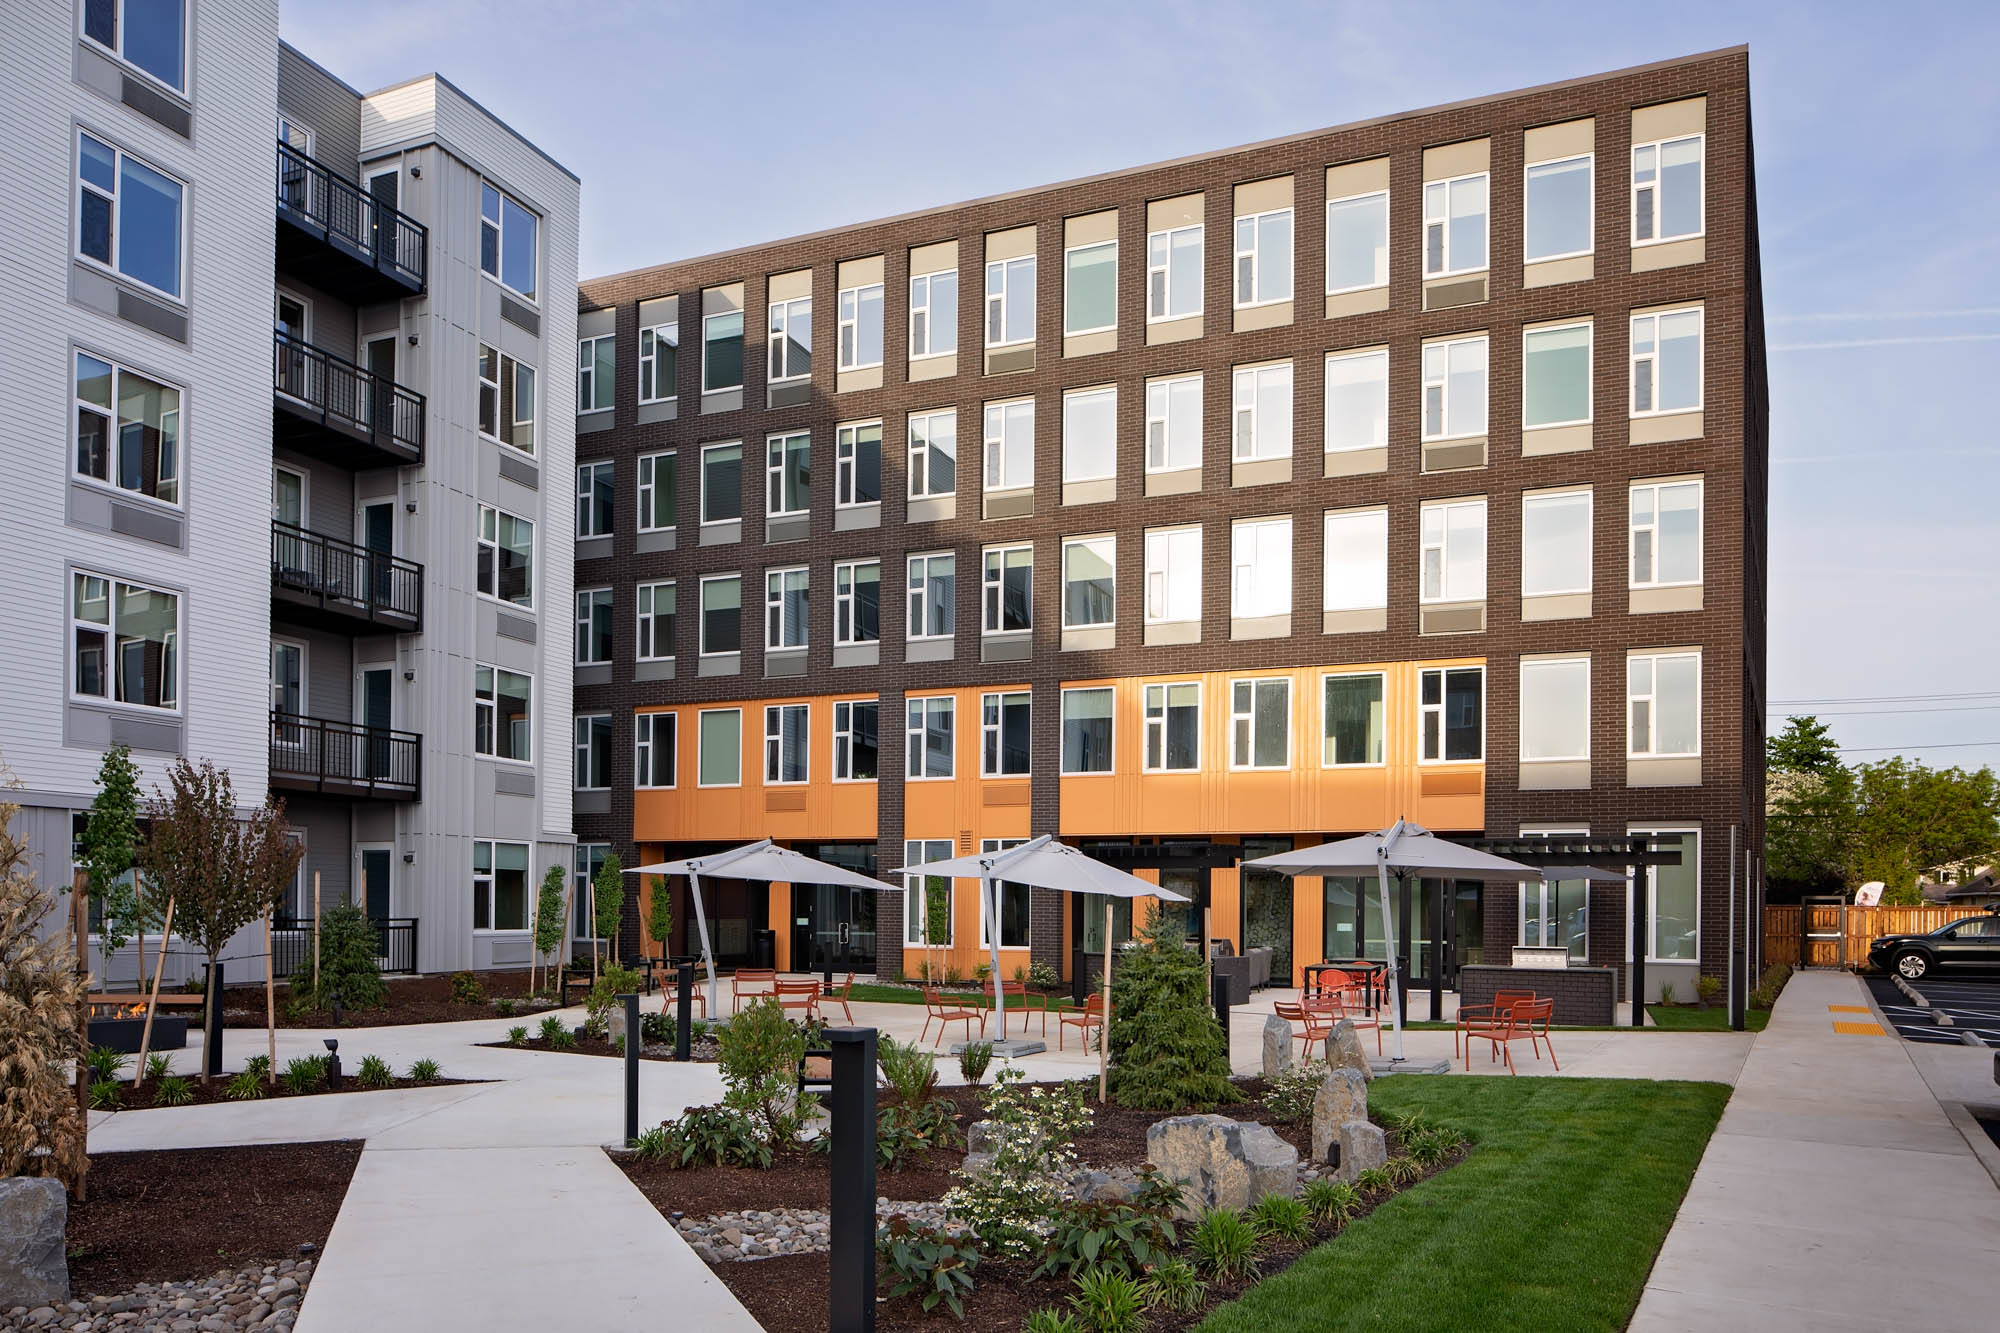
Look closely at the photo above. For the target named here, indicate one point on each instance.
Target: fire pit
(122, 1030)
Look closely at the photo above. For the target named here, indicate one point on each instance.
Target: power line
(1887, 699)
(1919, 745)
(1874, 712)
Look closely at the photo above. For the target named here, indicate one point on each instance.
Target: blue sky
(698, 127)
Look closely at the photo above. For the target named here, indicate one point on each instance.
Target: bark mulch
(214, 1090)
(410, 1000)
(183, 1213)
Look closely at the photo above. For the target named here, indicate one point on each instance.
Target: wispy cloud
(1843, 316)
(1903, 341)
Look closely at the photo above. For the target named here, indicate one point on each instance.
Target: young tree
(1167, 1051)
(109, 848)
(41, 993)
(1805, 746)
(549, 914)
(607, 900)
(660, 915)
(1809, 810)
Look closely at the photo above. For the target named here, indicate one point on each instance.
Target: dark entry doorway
(834, 925)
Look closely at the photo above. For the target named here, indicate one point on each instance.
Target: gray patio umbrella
(761, 860)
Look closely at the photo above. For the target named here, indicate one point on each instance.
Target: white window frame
(1072, 468)
(701, 726)
(843, 624)
(534, 555)
(1109, 543)
(584, 731)
(1448, 591)
(1633, 528)
(1652, 208)
(1249, 720)
(114, 446)
(1325, 739)
(919, 730)
(1652, 360)
(996, 729)
(993, 591)
(584, 622)
(843, 739)
(649, 481)
(646, 740)
(1377, 515)
(1380, 438)
(1442, 384)
(1589, 375)
(646, 607)
(1161, 419)
(1165, 271)
(79, 185)
(994, 446)
(504, 406)
(919, 472)
(701, 616)
(649, 362)
(1544, 891)
(924, 305)
(1590, 213)
(918, 851)
(1245, 418)
(180, 89)
(586, 370)
(783, 315)
(1333, 204)
(109, 629)
(999, 301)
(492, 708)
(1111, 245)
(584, 494)
(774, 608)
(1533, 499)
(1157, 592)
(921, 592)
(1651, 697)
(847, 463)
(1248, 583)
(988, 846)
(499, 226)
(847, 325)
(1567, 662)
(774, 745)
(1444, 673)
(777, 452)
(1062, 723)
(1152, 724)
(492, 846)
(1255, 256)
(1449, 269)
(1649, 874)
(701, 485)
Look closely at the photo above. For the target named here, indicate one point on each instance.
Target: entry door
(373, 712)
(288, 691)
(373, 866)
(292, 319)
(1267, 908)
(375, 525)
(385, 188)
(288, 507)
(379, 356)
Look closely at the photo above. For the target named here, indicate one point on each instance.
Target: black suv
(1971, 944)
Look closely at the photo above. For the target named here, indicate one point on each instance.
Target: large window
(584, 867)
(791, 339)
(1086, 731)
(933, 314)
(1557, 201)
(1556, 913)
(659, 363)
(857, 458)
(786, 731)
(1010, 445)
(1090, 434)
(656, 603)
(1454, 389)
(1451, 714)
(1357, 560)
(786, 610)
(1173, 423)
(1357, 242)
(1260, 723)
(932, 584)
(926, 901)
(1003, 734)
(1173, 273)
(1007, 589)
(593, 752)
(653, 749)
(506, 556)
(1666, 189)
(719, 747)
(1173, 575)
(1173, 727)
(149, 35)
(1663, 705)
(130, 217)
(1453, 537)
(593, 625)
(721, 614)
(1010, 301)
(1666, 533)
(656, 492)
(594, 499)
(1673, 897)
(1555, 543)
(933, 454)
(1555, 708)
(787, 474)
(128, 429)
(1264, 257)
(1262, 411)
(506, 400)
(860, 311)
(507, 231)
(1555, 376)
(857, 602)
(1012, 901)
(1357, 400)
(1089, 599)
(722, 351)
(1455, 225)
(502, 723)
(1090, 288)
(721, 483)
(1666, 362)
(499, 885)
(126, 640)
(1353, 719)
(596, 373)
(929, 731)
(1260, 563)
(854, 745)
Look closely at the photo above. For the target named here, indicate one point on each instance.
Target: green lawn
(1715, 1018)
(1551, 1223)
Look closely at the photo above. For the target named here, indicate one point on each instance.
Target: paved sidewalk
(1836, 1193)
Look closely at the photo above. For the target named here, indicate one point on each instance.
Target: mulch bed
(184, 1213)
(701, 1051)
(213, 1091)
(410, 1000)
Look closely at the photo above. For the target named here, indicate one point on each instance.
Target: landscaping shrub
(260, 1065)
(517, 1036)
(608, 892)
(41, 1132)
(104, 1093)
(245, 1087)
(1012, 1205)
(933, 1265)
(1107, 1300)
(465, 989)
(1175, 1287)
(425, 1070)
(651, 1145)
(172, 1090)
(504, 1007)
(551, 1028)
(1706, 989)
(973, 1058)
(1330, 1201)
(1051, 1321)
(1106, 1235)
(1433, 1146)
(1774, 979)
(158, 1066)
(611, 983)
(712, 1136)
(349, 966)
(1225, 1245)
(106, 1063)
(1289, 1094)
(1403, 1171)
(758, 1057)
(1667, 993)
(1043, 976)
(658, 1027)
(304, 1073)
(375, 1073)
(1167, 1052)
(1280, 1217)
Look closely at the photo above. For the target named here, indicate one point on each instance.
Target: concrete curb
(1981, 1143)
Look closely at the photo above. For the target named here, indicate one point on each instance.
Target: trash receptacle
(764, 947)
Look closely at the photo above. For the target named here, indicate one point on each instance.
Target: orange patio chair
(670, 994)
(1312, 1019)
(751, 983)
(944, 1012)
(801, 994)
(1332, 1006)
(1484, 1014)
(1015, 993)
(1084, 1019)
(839, 994)
(1517, 1022)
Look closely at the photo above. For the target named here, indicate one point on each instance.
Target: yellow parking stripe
(1847, 1008)
(1859, 1029)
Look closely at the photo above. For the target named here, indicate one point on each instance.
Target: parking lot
(1972, 1003)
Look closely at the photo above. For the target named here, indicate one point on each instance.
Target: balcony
(331, 584)
(339, 238)
(311, 754)
(334, 410)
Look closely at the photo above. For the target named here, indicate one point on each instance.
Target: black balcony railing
(327, 391)
(335, 580)
(395, 944)
(365, 229)
(344, 758)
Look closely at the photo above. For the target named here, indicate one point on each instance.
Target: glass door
(1267, 908)
(372, 710)
(378, 355)
(375, 525)
(288, 692)
(376, 897)
(292, 320)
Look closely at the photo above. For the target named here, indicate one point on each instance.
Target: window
(129, 216)
(1260, 562)
(933, 314)
(1010, 445)
(932, 588)
(722, 614)
(722, 351)
(593, 499)
(857, 458)
(1090, 434)
(1451, 714)
(1666, 534)
(1086, 731)
(1555, 376)
(785, 744)
(1173, 575)
(1555, 543)
(861, 327)
(128, 429)
(1454, 389)
(791, 339)
(656, 492)
(1455, 226)
(499, 885)
(127, 642)
(656, 621)
(593, 752)
(1264, 257)
(1357, 400)
(584, 867)
(1357, 560)
(927, 905)
(659, 363)
(1555, 913)
(1088, 596)
(507, 240)
(596, 373)
(929, 735)
(502, 726)
(1666, 362)
(1260, 723)
(933, 454)
(1263, 412)
(857, 602)
(1008, 588)
(506, 556)
(1666, 189)
(655, 749)
(785, 609)
(1555, 708)
(787, 474)
(149, 35)
(1003, 734)
(1010, 301)
(1090, 288)
(854, 753)
(1453, 538)
(506, 400)
(721, 483)
(1173, 727)
(1673, 897)
(1353, 721)
(1663, 705)
(1011, 900)
(593, 626)
(1557, 201)
(1173, 273)
(719, 761)
(1357, 242)
(1173, 423)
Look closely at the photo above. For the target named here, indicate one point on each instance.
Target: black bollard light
(632, 1043)
(851, 1219)
(332, 1063)
(1218, 989)
(211, 1044)
(684, 1022)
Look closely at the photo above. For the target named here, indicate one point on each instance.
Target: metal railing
(345, 757)
(341, 576)
(292, 944)
(328, 204)
(340, 393)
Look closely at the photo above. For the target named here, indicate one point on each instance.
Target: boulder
(1115, 1185)
(1342, 1097)
(1362, 1148)
(1277, 1046)
(34, 1266)
(1343, 1050)
(1223, 1163)
(979, 1148)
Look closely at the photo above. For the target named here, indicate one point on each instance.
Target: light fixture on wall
(409, 675)
(416, 173)
(409, 506)
(413, 340)
(409, 858)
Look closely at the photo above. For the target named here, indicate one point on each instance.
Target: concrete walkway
(1836, 1192)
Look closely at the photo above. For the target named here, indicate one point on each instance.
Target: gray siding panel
(328, 107)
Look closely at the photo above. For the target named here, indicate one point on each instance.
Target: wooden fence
(1840, 934)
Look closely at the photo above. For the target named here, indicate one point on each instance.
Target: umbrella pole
(707, 957)
(989, 903)
(1389, 939)
(1104, 1028)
